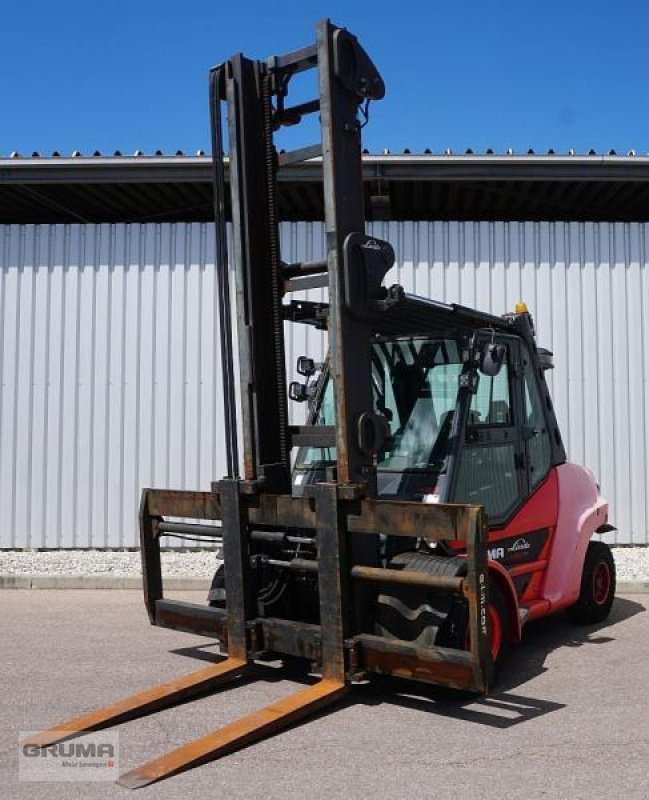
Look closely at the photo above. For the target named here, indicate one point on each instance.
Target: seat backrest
(498, 413)
(419, 432)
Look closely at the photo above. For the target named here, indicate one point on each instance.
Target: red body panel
(539, 512)
(537, 557)
(581, 511)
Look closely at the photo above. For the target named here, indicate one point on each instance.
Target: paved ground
(570, 718)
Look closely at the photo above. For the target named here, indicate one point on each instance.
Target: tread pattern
(415, 614)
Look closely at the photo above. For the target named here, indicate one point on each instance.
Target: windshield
(415, 383)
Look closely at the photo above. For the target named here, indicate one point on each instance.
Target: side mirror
(492, 358)
(546, 359)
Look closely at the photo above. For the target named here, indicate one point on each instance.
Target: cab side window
(487, 473)
(491, 404)
(536, 434)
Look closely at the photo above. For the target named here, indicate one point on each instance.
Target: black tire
(597, 586)
(455, 631)
(415, 614)
(216, 594)
(273, 596)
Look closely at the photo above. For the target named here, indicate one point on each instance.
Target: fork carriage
(339, 647)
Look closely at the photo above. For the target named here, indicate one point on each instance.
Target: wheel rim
(601, 583)
(496, 634)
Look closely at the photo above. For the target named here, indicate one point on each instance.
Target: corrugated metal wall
(109, 357)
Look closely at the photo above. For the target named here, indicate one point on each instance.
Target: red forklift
(425, 511)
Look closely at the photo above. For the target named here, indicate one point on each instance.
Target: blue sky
(133, 75)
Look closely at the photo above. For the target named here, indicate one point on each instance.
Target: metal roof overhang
(399, 187)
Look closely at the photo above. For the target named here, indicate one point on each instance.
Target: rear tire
(597, 586)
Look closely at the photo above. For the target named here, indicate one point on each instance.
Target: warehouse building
(109, 351)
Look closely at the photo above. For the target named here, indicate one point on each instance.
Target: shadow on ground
(502, 708)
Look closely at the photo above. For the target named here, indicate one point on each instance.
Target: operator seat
(498, 413)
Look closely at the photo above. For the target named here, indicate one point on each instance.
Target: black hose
(217, 81)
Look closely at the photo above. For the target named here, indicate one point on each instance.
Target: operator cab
(464, 422)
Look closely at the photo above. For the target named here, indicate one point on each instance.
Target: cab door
(491, 468)
(521, 539)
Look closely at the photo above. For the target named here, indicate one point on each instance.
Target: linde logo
(498, 553)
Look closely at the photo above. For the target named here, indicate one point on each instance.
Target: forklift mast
(257, 97)
(342, 516)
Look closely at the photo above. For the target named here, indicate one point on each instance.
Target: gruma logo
(71, 750)
(94, 757)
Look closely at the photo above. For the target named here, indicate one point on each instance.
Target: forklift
(424, 513)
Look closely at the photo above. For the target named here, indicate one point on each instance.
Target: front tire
(456, 631)
(277, 596)
(216, 595)
(597, 590)
(414, 614)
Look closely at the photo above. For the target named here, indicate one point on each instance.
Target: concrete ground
(569, 719)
